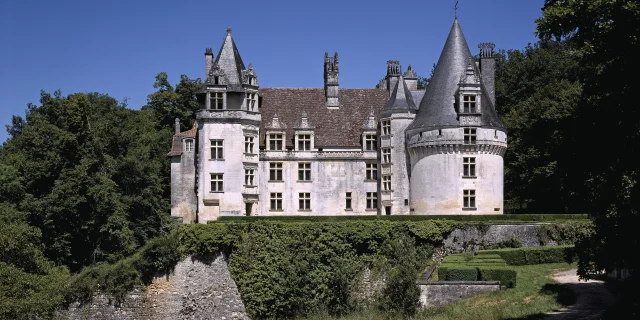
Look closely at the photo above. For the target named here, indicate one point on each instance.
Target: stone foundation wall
(195, 290)
(483, 236)
(441, 293)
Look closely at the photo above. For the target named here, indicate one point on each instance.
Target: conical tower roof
(437, 109)
(400, 100)
(229, 60)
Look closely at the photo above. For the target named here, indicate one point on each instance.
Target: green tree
(168, 103)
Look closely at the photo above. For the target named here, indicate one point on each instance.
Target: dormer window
(188, 145)
(304, 142)
(370, 142)
(275, 141)
(469, 104)
(252, 101)
(251, 80)
(217, 100)
(216, 80)
(386, 127)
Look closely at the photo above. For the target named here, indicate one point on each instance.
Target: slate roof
(176, 146)
(333, 127)
(400, 100)
(229, 61)
(437, 107)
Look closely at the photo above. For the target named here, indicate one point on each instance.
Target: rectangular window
(217, 102)
(216, 182)
(469, 103)
(386, 183)
(275, 171)
(370, 142)
(251, 101)
(217, 149)
(304, 201)
(275, 141)
(469, 166)
(347, 203)
(188, 145)
(249, 174)
(276, 201)
(386, 155)
(469, 199)
(304, 171)
(304, 142)
(469, 136)
(248, 144)
(372, 171)
(372, 200)
(386, 127)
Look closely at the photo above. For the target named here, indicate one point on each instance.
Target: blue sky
(117, 47)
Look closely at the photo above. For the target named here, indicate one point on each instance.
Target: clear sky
(117, 47)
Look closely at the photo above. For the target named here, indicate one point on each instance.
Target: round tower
(456, 142)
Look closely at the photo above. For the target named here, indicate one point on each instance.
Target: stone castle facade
(334, 151)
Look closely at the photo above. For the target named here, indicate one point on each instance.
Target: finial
(228, 30)
(304, 114)
(250, 66)
(455, 10)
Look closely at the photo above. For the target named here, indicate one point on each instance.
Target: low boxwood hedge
(462, 272)
(468, 218)
(530, 256)
(457, 273)
(506, 276)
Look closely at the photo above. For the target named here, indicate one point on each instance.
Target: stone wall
(441, 293)
(195, 290)
(487, 236)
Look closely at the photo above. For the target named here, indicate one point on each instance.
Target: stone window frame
(275, 136)
(304, 201)
(304, 141)
(469, 167)
(470, 136)
(249, 144)
(386, 182)
(217, 100)
(275, 171)
(370, 142)
(275, 201)
(249, 176)
(216, 149)
(470, 103)
(372, 201)
(252, 101)
(348, 201)
(386, 155)
(217, 182)
(371, 171)
(469, 199)
(189, 145)
(304, 171)
(386, 127)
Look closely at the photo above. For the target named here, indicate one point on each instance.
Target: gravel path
(592, 296)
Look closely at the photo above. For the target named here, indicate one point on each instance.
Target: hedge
(506, 276)
(530, 256)
(467, 218)
(457, 273)
(460, 272)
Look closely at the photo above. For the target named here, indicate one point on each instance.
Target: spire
(437, 109)
(229, 60)
(400, 100)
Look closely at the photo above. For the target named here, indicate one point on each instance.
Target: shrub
(454, 272)
(506, 276)
(530, 256)
(470, 218)
(401, 295)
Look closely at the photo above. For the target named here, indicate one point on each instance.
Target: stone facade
(334, 151)
(441, 293)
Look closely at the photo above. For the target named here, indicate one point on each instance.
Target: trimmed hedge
(529, 256)
(506, 276)
(460, 272)
(467, 218)
(457, 273)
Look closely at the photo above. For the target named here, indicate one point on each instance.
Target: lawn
(535, 294)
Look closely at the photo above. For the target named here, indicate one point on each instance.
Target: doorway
(248, 207)
(387, 210)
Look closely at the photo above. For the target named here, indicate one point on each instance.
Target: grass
(535, 295)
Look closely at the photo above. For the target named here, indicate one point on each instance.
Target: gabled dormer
(469, 97)
(304, 133)
(370, 133)
(275, 134)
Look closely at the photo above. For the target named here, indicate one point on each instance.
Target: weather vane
(455, 10)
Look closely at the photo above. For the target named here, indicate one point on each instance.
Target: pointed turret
(437, 109)
(229, 61)
(400, 100)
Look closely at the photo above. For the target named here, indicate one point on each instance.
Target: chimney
(208, 61)
(331, 80)
(177, 125)
(393, 73)
(488, 69)
(411, 79)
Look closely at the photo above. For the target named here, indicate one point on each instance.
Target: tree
(168, 103)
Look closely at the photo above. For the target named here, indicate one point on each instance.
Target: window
(406, 202)
(469, 103)
(386, 155)
(275, 141)
(276, 200)
(188, 145)
(304, 171)
(251, 101)
(469, 136)
(372, 200)
(251, 80)
(249, 174)
(370, 142)
(217, 150)
(248, 144)
(469, 199)
(372, 171)
(386, 183)
(216, 182)
(304, 142)
(275, 171)
(304, 201)
(386, 127)
(347, 202)
(216, 80)
(217, 102)
(469, 167)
